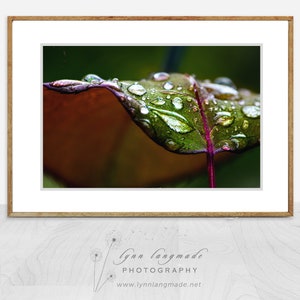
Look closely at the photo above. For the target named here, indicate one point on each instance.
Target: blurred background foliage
(240, 63)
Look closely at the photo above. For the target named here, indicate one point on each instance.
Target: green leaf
(178, 109)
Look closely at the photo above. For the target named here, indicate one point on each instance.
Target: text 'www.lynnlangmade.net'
(164, 285)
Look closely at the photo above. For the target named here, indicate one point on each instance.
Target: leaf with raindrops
(181, 113)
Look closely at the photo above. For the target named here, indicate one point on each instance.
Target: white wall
(96, 7)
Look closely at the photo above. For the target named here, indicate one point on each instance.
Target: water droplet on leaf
(251, 111)
(239, 135)
(236, 142)
(226, 146)
(223, 92)
(245, 124)
(239, 140)
(144, 110)
(168, 85)
(171, 145)
(244, 93)
(225, 81)
(92, 78)
(223, 118)
(161, 76)
(137, 89)
(177, 102)
(158, 101)
(174, 121)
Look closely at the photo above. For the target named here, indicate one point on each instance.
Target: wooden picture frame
(26, 38)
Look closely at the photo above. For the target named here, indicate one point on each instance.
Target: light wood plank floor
(239, 258)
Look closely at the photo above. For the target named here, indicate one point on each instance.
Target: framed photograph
(150, 116)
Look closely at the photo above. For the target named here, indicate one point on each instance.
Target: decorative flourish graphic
(113, 240)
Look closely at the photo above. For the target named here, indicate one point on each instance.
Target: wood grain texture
(270, 249)
(291, 113)
(246, 259)
(9, 115)
(150, 18)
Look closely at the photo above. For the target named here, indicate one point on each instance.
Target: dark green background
(240, 63)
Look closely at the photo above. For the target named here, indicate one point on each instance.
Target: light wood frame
(10, 211)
